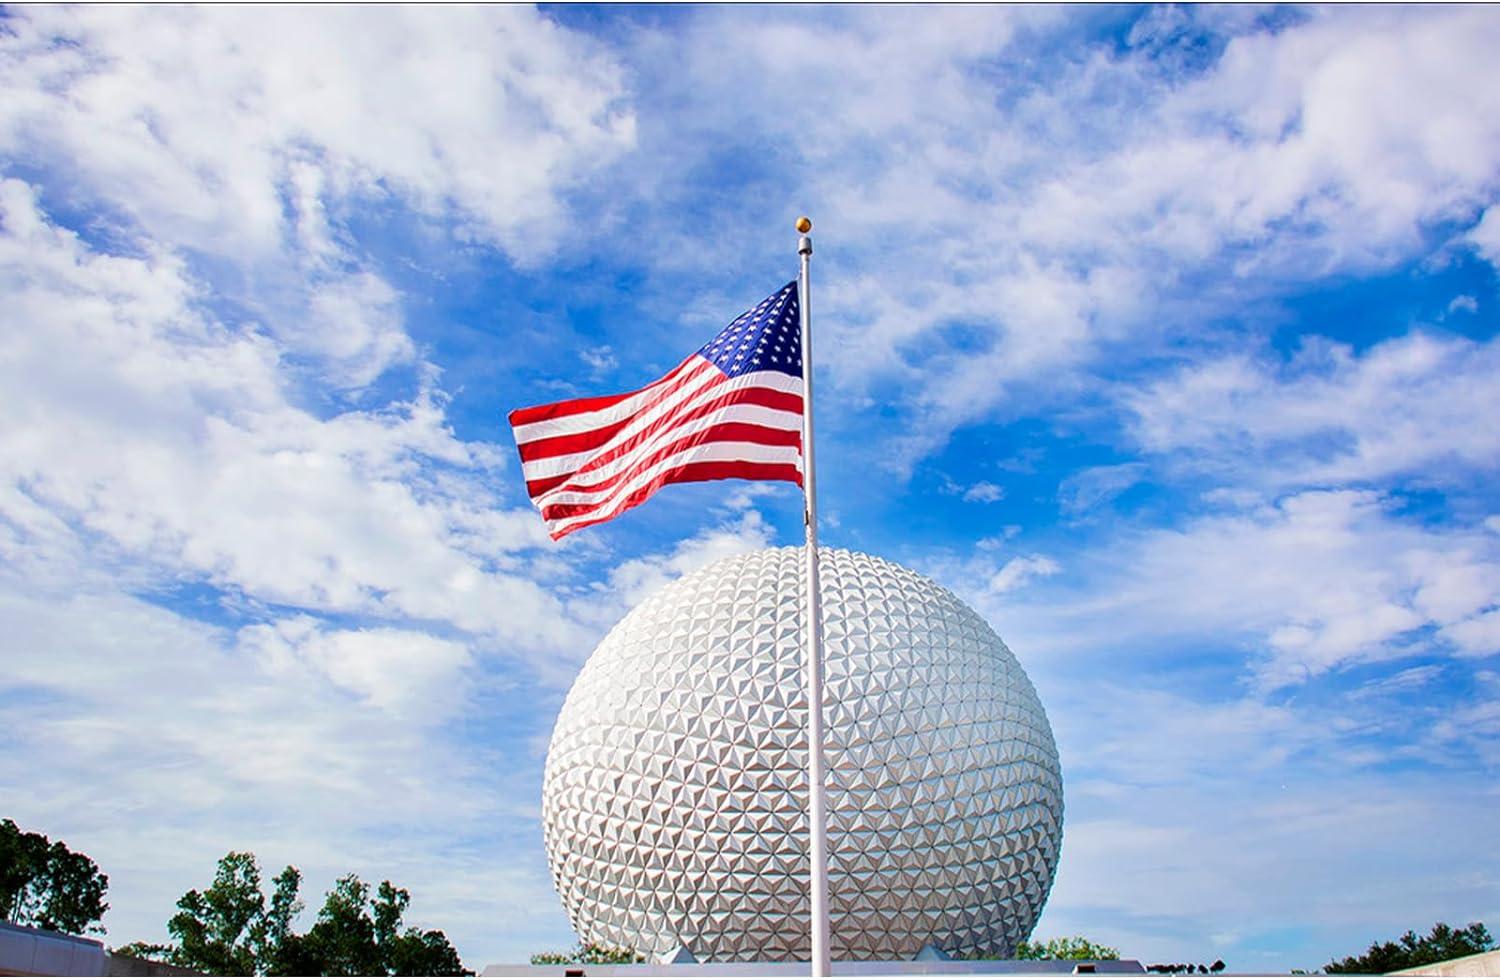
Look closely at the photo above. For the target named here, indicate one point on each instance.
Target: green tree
(228, 929)
(44, 884)
(342, 942)
(1188, 968)
(359, 936)
(594, 953)
(231, 929)
(1442, 943)
(1066, 948)
(413, 953)
(144, 951)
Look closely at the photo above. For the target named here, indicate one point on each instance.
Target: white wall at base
(27, 952)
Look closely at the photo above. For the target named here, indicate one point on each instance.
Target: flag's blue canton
(766, 338)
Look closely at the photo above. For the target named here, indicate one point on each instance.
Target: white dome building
(674, 800)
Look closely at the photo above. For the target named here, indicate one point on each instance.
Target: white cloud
(180, 713)
(599, 359)
(250, 140)
(373, 573)
(1407, 407)
(193, 120)
(168, 743)
(984, 492)
(980, 492)
(1018, 571)
(153, 448)
(356, 323)
(139, 419)
(1185, 811)
(1463, 304)
(998, 541)
(1312, 583)
(1474, 725)
(1478, 636)
(1403, 681)
(1485, 236)
(634, 579)
(1091, 488)
(1023, 231)
(1170, 868)
(414, 675)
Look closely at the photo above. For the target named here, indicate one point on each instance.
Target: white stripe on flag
(769, 418)
(714, 452)
(687, 400)
(600, 417)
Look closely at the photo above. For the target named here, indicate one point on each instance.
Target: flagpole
(817, 806)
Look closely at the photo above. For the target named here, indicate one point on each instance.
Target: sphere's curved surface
(675, 789)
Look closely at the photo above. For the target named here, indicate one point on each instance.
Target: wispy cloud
(1092, 488)
(1310, 583)
(1405, 408)
(1049, 232)
(1016, 572)
(984, 492)
(337, 104)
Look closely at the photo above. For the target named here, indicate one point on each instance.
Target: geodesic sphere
(674, 799)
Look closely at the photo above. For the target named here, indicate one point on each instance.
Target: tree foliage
(1175, 969)
(44, 884)
(232, 929)
(228, 929)
(144, 951)
(595, 953)
(1442, 943)
(1066, 948)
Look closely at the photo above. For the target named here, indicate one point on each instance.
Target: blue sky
(1166, 337)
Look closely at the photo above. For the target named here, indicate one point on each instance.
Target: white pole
(817, 804)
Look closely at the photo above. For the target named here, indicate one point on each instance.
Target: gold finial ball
(804, 224)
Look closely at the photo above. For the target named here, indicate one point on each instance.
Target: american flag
(733, 409)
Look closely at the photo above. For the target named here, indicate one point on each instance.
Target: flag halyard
(731, 410)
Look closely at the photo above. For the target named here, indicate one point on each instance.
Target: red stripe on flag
(728, 432)
(541, 413)
(690, 473)
(687, 412)
(586, 438)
